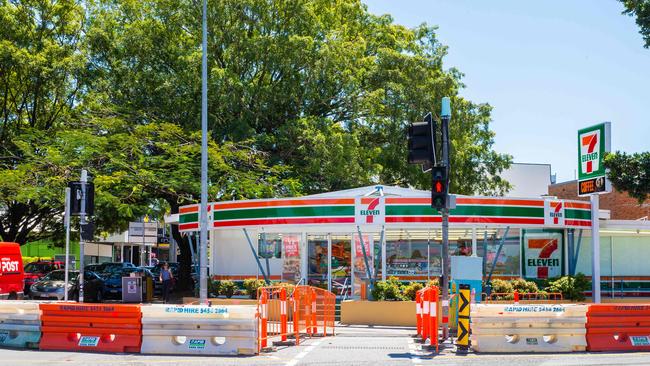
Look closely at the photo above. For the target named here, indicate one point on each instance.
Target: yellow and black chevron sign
(462, 342)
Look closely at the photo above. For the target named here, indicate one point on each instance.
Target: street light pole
(445, 115)
(203, 279)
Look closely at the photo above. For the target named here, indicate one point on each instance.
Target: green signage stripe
(189, 217)
(466, 210)
(273, 212)
(577, 214)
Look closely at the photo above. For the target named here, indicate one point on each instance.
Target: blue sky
(548, 68)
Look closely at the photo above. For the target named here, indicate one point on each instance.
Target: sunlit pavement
(353, 345)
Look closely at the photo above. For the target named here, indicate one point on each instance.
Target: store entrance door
(330, 263)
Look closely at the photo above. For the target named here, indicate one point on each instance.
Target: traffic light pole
(82, 224)
(445, 117)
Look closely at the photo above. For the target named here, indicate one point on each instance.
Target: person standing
(166, 277)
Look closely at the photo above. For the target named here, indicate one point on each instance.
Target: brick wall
(621, 206)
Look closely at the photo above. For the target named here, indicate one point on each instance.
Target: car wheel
(13, 296)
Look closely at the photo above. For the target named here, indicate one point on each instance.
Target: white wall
(630, 256)
(231, 255)
(528, 180)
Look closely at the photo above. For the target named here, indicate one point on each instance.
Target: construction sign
(593, 143)
(462, 342)
(542, 255)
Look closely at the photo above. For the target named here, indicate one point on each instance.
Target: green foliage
(227, 288)
(251, 285)
(214, 287)
(630, 173)
(502, 287)
(640, 9)
(411, 289)
(390, 289)
(571, 287)
(523, 286)
(434, 282)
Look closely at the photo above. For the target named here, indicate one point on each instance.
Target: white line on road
(302, 354)
(413, 351)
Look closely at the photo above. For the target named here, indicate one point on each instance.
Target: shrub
(227, 288)
(523, 286)
(214, 287)
(411, 289)
(251, 285)
(288, 286)
(388, 290)
(434, 282)
(571, 287)
(502, 287)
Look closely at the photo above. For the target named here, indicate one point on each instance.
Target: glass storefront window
(508, 262)
(407, 257)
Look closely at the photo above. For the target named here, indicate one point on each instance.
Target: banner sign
(593, 143)
(542, 255)
(291, 245)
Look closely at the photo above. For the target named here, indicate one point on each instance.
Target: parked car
(107, 268)
(113, 281)
(34, 271)
(11, 271)
(53, 286)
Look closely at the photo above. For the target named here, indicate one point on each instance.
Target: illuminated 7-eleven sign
(593, 143)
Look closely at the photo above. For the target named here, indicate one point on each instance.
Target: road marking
(415, 358)
(294, 361)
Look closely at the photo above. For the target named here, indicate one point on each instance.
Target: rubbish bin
(132, 289)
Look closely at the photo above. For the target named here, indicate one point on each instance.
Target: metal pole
(446, 117)
(203, 257)
(66, 221)
(143, 250)
(474, 243)
(595, 249)
(84, 180)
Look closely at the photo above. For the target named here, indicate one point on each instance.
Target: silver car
(53, 287)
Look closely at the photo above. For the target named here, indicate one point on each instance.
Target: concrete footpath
(353, 345)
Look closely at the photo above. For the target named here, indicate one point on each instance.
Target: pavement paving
(353, 345)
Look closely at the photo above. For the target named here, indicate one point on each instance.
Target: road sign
(150, 230)
(462, 342)
(593, 143)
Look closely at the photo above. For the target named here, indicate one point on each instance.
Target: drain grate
(386, 348)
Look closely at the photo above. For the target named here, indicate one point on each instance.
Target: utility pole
(203, 244)
(445, 116)
(66, 221)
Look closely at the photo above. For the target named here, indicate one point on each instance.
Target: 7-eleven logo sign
(589, 152)
(370, 210)
(543, 258)
(553, 213)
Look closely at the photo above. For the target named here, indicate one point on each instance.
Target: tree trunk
(185, 259)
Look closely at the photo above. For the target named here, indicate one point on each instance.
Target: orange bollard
(296, 316)
(433, 316)
(516, 297)
(425, 314)
(418, 311)
(264, 317)
(314, 322)
(283, 314)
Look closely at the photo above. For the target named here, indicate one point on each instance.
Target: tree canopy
(630, 173)
(304, 97)
(641, 10)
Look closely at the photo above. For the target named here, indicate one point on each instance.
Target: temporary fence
(528, 328)
(618, 327)
(94, 328)
(197, 329)
(426, 312)
(290, 312)
(20, 324)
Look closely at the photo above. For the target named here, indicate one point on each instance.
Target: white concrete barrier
(197, 329)
(505, 328)
(20, 324)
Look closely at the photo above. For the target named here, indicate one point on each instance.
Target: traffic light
(76, 197)
(420, 143)
(439, 189)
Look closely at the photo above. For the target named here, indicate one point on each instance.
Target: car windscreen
(39, 267)
(60, 275)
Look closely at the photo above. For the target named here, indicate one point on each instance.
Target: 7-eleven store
(316, 239)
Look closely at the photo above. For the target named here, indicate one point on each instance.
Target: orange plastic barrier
(618, 327)
(426, 312)
(91, 328)
(292, 312)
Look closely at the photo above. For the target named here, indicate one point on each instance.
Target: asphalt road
(352, 346)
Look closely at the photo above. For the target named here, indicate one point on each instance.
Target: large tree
(42, 76)
(641, 10)
(630, 173)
